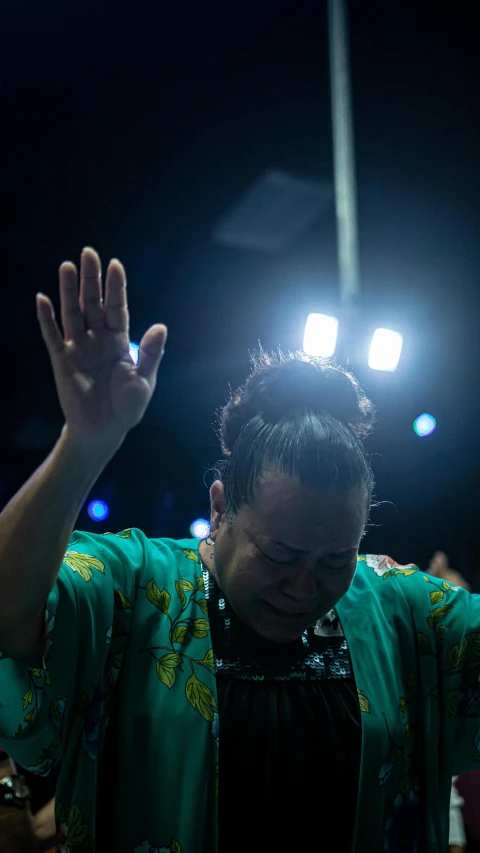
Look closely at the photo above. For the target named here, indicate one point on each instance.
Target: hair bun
(286, 383)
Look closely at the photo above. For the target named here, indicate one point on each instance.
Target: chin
(279, 634)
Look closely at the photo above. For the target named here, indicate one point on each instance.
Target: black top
(290, 736)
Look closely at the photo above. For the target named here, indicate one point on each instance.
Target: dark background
(135, 127)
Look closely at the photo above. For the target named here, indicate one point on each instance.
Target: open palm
(101, 391)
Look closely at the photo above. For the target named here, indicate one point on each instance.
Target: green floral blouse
(127, 627)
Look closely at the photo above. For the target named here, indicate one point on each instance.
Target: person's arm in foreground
(103, 395)
(17, 827)
(45, 827)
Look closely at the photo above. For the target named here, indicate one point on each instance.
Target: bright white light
(385, 350)
(424, 425)
(200, 528)
(97, 510)
(134, 351)
(320, 337)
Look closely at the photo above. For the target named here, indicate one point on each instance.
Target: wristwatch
(14, 791)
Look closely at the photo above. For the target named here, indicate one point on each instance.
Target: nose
(302, 586)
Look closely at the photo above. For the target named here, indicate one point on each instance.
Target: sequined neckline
(321, 652)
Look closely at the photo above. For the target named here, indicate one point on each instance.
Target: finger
(72, 317)
(91, 289)
(152, 348)
(442, 560)
(116, 312)
(48, 326)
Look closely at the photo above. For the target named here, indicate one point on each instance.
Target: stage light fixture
(385, 350)
(320, 337)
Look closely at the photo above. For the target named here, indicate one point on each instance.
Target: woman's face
(286, 561)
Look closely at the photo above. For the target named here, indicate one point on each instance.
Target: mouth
(286, 614)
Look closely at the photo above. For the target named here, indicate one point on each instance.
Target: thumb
(152, 348)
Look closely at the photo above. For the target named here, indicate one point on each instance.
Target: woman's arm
(103, 395)
(35, 528)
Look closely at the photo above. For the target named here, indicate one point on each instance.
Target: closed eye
(275, 562)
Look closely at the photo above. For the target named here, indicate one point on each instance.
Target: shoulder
(180, 557)
(394, 583)
(92, 558)
(387, 578)
(379, 567)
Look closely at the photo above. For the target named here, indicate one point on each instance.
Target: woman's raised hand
(101, 391)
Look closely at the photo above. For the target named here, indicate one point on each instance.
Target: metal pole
(343, 153)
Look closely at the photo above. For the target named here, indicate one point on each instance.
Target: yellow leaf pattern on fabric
(125, 535)
(166, 669)
(159, 598)
(405, 572)
(180, 634)
(455, 655)
(363, 702)
(424, 644)
(121, 601)
(76, 829)
(181, 594)
(436, 596)
(200, 697)
(199, 628)
(29, 717)
(208, 659)
(440, 612)
(83, 564)
(402, 705)
(191, 554)
(27, 698)
(175, 847)
(184, 631)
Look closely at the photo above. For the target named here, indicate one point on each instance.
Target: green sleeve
(45, 711)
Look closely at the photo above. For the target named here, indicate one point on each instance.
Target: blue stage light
(98, 510)
(424, 425)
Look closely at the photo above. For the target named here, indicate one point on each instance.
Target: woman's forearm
(35, 528)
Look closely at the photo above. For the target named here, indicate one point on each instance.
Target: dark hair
(302, 416)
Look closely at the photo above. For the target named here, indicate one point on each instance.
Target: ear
(217, 507)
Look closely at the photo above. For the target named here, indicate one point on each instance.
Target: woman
(342, 688)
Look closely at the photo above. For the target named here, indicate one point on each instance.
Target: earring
(210, 541)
